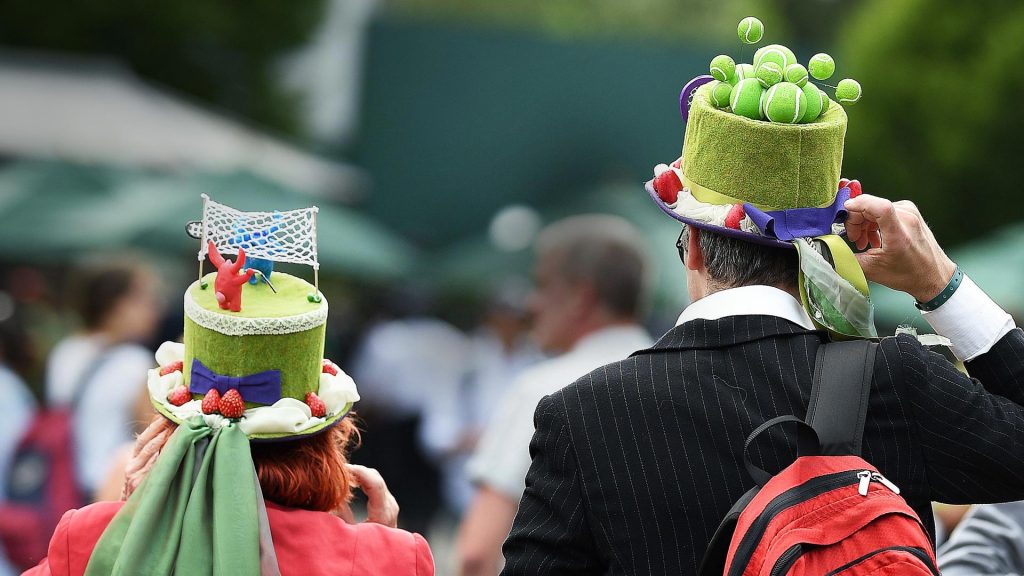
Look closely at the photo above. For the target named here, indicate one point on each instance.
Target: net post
(202, 238)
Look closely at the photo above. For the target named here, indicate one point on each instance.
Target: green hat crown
(729, 158)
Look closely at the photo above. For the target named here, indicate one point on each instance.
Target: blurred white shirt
(502, 458)
(114, 378)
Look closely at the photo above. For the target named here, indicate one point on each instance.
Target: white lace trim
(240, 326)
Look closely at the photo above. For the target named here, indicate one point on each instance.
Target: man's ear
(694, 257)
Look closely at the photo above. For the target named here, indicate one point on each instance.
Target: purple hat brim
(730, 232)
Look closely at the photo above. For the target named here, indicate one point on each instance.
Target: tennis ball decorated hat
(253, 339)
(764, 165)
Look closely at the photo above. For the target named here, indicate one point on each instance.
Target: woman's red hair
(307, 473)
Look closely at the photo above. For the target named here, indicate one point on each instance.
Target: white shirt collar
(747, 301)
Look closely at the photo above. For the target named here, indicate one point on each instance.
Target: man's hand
(903, 254)
(381, 506)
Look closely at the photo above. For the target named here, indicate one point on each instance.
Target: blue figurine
(267, 243)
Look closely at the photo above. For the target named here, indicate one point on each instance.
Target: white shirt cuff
(971, 321)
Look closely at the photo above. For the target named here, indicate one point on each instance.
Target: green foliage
(220, 52)
(940, 122)
(672, 19)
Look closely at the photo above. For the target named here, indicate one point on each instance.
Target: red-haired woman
(306, 484)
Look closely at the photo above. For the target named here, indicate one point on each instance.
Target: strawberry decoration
(179, 395)
(211, 402)
(844, 183)
(855, 188)
(329, 367)
(316, 406)
(231, 404)
(735, 216)
(172, 367)
(668, 185)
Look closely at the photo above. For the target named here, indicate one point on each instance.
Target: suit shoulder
(596, 382)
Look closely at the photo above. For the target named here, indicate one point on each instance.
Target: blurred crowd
(443, 408)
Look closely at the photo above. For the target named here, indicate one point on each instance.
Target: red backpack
(41, 481)
(829, 512)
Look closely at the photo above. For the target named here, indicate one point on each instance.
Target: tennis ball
(785, 102)
(750, 30)
(722, 67)
(796, 74)
(769, 74)
(848, 91)
(720, 93)
(746, 99)
(821, 66)
(816, 101)
(774, 53)
(743, 71)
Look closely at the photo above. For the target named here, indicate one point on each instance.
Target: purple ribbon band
(261, 387)
(788, 225)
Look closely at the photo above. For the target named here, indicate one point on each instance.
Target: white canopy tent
(94, 111)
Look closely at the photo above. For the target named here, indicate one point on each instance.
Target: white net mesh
(288, 236)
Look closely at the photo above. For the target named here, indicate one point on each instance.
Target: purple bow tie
(261, 387)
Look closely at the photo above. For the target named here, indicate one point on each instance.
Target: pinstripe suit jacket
(635, 464)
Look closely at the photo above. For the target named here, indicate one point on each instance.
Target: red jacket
(307, 544)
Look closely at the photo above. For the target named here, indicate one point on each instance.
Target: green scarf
(198, 512)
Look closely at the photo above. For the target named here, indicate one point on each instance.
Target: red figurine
(228, 285)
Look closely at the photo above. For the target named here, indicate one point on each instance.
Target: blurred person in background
(590, 278)
(499, 349)
(99, 372)
(17, 402)
(408, 367)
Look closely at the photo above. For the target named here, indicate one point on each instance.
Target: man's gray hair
(604, 251)
(731, 262)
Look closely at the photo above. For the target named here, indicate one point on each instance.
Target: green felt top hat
(761, 162)
(253, 351)
(729, 158)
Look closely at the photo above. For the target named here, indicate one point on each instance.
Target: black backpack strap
(713, 563)
(838, 407)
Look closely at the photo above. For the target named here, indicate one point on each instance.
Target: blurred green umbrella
(51, 211)
(995, 262)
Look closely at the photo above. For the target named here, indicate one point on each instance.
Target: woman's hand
(381, 506)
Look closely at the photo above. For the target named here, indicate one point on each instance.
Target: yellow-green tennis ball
(720, 93)
(722, 67)
(796, 74)
(769, 74)
(848, 92)
(774, 53)
(821, 66)
(816, 99)
(825, 102)
(785, 102)
(746, 99)
(750, 30)
(743, 71)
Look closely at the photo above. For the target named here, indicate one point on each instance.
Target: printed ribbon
(261, 387)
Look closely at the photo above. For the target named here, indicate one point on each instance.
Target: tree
(220, 52)
(940, 121)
